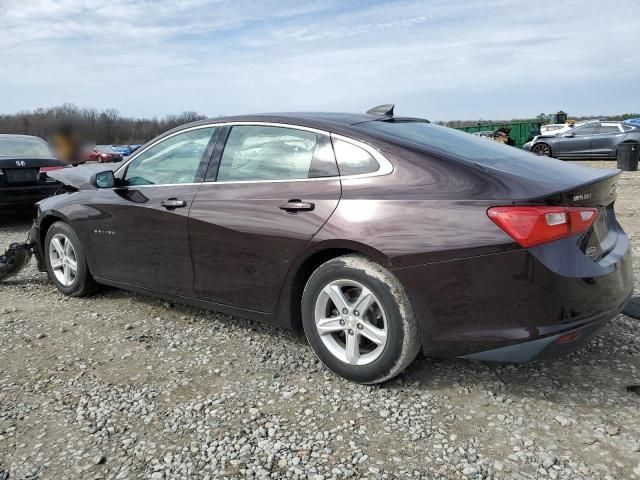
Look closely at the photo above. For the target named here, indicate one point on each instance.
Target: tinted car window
(173, 160)
(353, 160)
(267, 153)
(609, 129)
(628, 128)
(23, 147)
(585, 130)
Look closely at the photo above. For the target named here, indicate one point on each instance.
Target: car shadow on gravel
(596, 375)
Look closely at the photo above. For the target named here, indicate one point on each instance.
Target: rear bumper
(568, 341)
(513, 306)
(25, 195)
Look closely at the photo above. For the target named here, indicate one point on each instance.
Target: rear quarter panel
(426, 210)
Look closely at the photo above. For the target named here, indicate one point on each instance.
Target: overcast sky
(442, 60)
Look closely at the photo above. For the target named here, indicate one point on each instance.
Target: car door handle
(295, 206)
(172, 203)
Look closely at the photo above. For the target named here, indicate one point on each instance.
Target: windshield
(23, 147)
(450, 143)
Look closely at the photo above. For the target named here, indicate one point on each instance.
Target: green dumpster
(521, 132)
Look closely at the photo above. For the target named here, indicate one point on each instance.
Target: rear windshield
(23, 147)
(451, 143)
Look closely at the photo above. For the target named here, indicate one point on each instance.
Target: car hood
(79, 177)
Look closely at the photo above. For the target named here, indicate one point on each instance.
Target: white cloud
(435, 58)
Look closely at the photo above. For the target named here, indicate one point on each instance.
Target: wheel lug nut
(345, 311)
(356, 313)
(342, 322)
(350, 332)
(360, 327)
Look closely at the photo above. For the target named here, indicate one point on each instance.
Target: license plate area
(602, 223)
(21, 175)
(601, 239)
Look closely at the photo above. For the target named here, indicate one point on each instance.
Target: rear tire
(66, 263)
(358, 320)
(542, 149)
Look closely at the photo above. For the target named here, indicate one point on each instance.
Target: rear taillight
(532, 225)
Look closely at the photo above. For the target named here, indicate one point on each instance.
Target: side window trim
(213, 162)
(385, 165)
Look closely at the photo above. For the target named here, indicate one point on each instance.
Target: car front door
(268, 191)
(607, 139)
(138, 230)
(577, 142)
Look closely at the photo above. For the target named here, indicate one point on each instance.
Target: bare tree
(102, 127)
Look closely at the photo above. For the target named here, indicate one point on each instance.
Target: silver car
(592, 140)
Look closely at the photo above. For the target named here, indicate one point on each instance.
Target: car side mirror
(104, 179)
(569, 135)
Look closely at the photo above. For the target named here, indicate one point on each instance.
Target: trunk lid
(20, 171)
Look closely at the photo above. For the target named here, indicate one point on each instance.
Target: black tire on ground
(541, 149)
(402, 336)
(83, 283)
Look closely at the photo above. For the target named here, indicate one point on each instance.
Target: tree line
(108, 127)
(104, 127)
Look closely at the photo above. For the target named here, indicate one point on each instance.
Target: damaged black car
(25, 161)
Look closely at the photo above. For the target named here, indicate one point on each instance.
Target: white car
(555, 128)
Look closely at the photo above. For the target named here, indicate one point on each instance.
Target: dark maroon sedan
(378, 235)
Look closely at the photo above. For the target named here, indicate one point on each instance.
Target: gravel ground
(119, 386)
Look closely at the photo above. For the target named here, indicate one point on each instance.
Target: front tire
(66, 263)
(358, 320)
(541, 149)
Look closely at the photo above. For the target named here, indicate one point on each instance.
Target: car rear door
(607, 139)
(138, 230)
(269, 189)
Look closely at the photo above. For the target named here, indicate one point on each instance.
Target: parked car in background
(633, 121)
(378, 235)
(124, 150)
(590, 140)
(554, 132)
(103, 154)
(24, 163)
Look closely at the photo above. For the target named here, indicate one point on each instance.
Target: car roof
(329, 121)
(325, 120)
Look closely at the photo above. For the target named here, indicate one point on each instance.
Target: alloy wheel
(542, 149)
(351, 322)
(63, 259)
